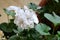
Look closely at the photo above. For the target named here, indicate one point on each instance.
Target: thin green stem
(8, 18)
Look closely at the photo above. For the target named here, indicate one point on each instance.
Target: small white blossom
(24, 18)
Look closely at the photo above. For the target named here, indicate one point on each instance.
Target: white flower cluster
(24, 18)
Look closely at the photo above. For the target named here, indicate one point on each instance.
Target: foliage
(33, 6)
(8, 27)
(12, 13)
(41, 31)
(50, 12)
(55, 19)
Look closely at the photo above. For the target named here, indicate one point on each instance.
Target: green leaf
(57, 1)
(8, 27)
(5, 28)
(58, 35)
(43, 29)
(12, 13)
(58, 38)
(32, 6)
(14, 37)
(18, 30)
(58, 32)
(55, 19)
(51, 37)
(15, 31)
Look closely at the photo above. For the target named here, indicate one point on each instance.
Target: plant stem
(8, 18)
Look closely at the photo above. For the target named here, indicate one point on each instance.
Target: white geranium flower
(30, 13)
(24, 18)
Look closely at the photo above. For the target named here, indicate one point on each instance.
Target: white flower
(30, 13)
(24, 18)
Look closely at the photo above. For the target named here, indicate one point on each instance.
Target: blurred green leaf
(18, 30)
(58, 38)
(58, 32)
(51, 37)
(57, 1)
(33, 6)
(12, 13)
(4, 27)
(58, 35)
(8, 27)
(43, 29)
(55, 19)
(14, 37)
